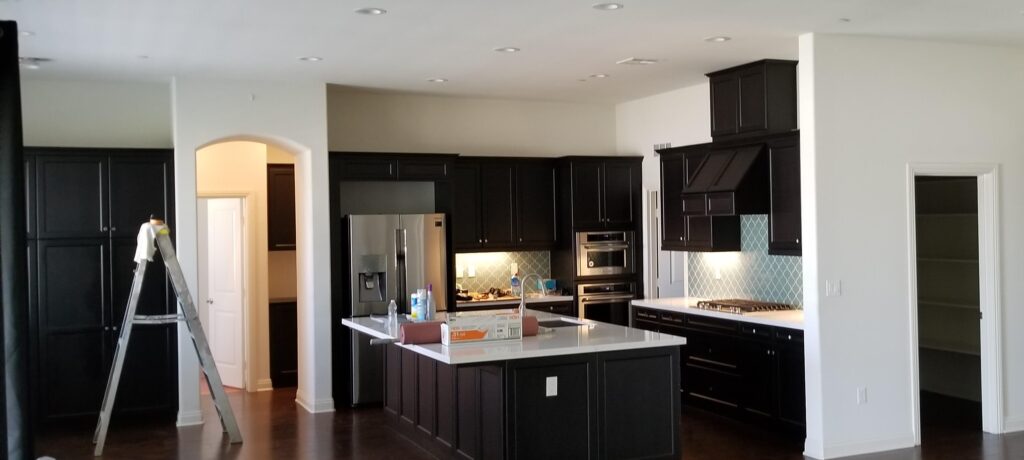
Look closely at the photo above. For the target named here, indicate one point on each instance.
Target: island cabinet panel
(550, 405)
(639, 404)
(480, 414)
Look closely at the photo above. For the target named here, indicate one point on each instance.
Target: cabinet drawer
(705, 323)
(756, 330)
(645, 314)
(672, 319)
(646, 325)
(564, 308)
(789, 335)
(722, 353)
(721, 203)
(694, 204)
(712, 385)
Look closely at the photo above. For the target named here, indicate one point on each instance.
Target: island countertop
(589, 337)
(793, 319)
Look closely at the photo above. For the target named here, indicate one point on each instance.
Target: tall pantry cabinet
(85, 207)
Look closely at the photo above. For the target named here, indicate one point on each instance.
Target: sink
(559, 322)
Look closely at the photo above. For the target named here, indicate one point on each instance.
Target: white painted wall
(292, 116)
(240, 168)
(360, 120)
(79, 113)
(680, 117)
(869, 107)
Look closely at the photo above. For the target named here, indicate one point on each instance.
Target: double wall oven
(607, 255)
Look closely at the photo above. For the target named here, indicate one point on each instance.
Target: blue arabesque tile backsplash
(749, 274)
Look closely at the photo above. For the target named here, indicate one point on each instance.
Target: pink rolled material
(430, 331)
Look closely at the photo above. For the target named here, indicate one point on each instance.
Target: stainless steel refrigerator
(392, 256)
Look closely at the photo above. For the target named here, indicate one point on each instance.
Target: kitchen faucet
(522, 297)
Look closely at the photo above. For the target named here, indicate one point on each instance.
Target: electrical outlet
(459, 270)
(472, 271)
(551, 386)
(514, 268)
(833, 288)
(862, 395)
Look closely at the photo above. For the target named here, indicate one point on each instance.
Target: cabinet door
(753, 104)
(496, 195)
(73, 333)
(587, 196)
(140, 186)
(466, 231)
(30, 190)
(790, 360)
(694, 160)
(281, 207)
(71, 196)
(724, 105)
(758, 369)
(425, 169)
(698, 232)
(367, 167)
(784, 218)
(284, 351)
(535, 204)
(621, 188)
(673, 224)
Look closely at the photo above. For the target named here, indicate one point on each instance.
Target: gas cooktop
(741, 306)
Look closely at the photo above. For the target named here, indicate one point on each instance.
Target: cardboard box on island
(471, 327)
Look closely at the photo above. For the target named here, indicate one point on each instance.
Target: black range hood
(726, 181)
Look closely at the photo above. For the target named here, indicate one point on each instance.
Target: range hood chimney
(726, 181)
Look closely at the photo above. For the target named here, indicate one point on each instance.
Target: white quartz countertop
(515, 301)
(590, 337)
(793, 319)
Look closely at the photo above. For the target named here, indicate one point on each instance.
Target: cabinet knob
(481, 240)
(789, 337)
(104, 229)
(680, 238)
(106, 328)
(485, 240)
(114, 328)
(798, 241)
(768, 352)
(754, 331)
(113, 229)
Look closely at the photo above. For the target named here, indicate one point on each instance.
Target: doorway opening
(247, 237)
(955, 314)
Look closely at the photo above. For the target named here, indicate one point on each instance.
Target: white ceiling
(562, 41)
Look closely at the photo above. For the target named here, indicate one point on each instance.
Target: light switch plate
(551, 386)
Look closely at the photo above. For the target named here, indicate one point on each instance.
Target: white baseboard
(189, 418)
(864, 447)
(1012, 424)
(316, 406)
(264, 385)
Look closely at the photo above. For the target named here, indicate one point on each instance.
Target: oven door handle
(605, 247)
(606, 299)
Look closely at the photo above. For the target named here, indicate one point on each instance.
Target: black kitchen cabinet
(496, 184)
(372, 166)
(30, 191)
(90, 203)
(711, 233)
(784, 218)
(746, 370)
(535, 203)
(284, 353)
(558, 308)
(673, 225)
(281, 207)
(503, 204)
(753, 99)
(605, 192)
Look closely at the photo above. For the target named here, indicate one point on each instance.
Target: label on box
(481, 327)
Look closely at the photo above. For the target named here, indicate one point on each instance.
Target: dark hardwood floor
(274, 428)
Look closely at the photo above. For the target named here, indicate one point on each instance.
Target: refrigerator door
(373, 263)
(426, 255)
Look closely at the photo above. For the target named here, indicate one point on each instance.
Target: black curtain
(13, 254)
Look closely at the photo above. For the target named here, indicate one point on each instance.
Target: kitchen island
(584, 390)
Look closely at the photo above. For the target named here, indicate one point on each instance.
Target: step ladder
(154, 236)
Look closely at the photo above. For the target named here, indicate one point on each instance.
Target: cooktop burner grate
(741, 306)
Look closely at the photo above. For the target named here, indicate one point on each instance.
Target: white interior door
(222, 285)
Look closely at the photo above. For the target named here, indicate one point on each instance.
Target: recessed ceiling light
(584, 80)
(718, 39)
(437, 80)
(507, 49)
(311, 58)
(372, 11)
(845, 19)
(143, 56)
(608, 6)
(26, 33)
(599, 75)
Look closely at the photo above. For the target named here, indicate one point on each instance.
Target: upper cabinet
(394, 166)
(88, 193)
(784, 218)
(281, 207)
(605, 192)
(753, 99)
(503, 204)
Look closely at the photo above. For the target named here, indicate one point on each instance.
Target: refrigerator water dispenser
(373, 278)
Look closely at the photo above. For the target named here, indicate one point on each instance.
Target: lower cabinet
(750, 371)
(284, 361)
